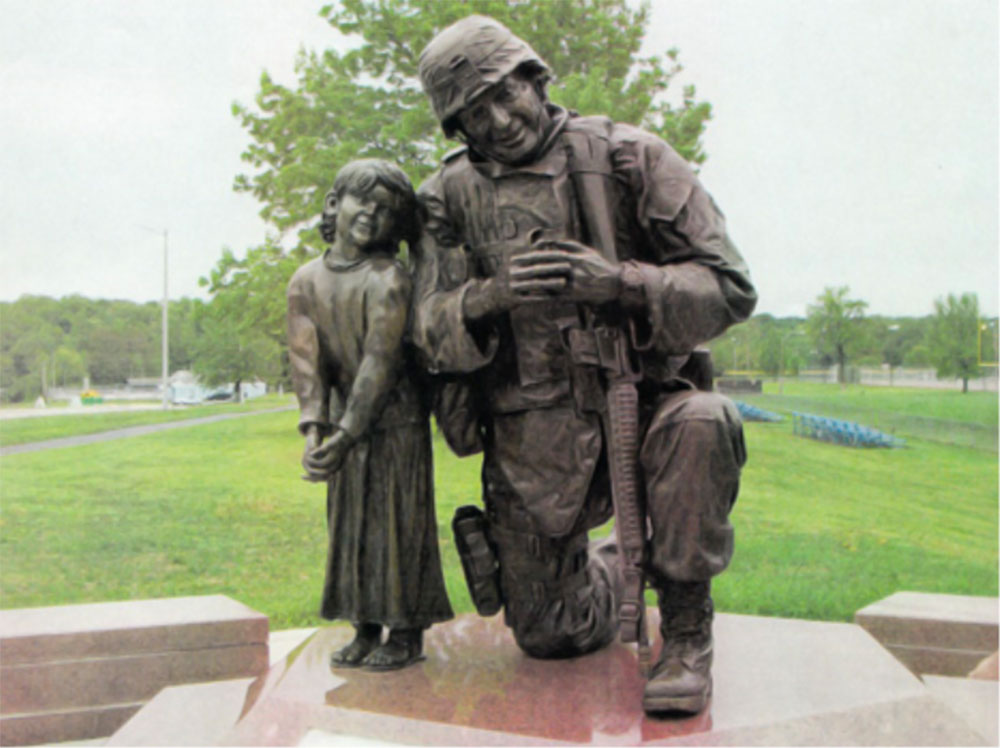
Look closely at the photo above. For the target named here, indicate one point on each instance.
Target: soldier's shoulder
(595, 124)
(453, 166)
(625, 134)
(633, 147)
(621, 135)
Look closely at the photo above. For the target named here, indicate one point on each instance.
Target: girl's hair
(360, 177)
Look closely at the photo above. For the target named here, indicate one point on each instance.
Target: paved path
(79, 410)
(125, 433)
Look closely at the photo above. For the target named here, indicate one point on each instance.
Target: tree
(61, 341)
(953, 337)
(835, 324)
(368, 102)
(230, 349)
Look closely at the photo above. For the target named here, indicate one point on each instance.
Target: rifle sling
(589, 162)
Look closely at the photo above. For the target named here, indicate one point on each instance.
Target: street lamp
(164, 348)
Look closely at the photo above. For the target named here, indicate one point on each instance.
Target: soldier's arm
(695, 284)
(452, 327)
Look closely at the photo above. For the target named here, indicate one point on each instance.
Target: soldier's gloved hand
(591, 278)
(515, 284)
(322, 461)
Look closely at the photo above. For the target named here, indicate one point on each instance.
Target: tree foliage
(230, 349)
(836, 326)
(58, 342)
(953, 337)
(367, 102)
(61, 341)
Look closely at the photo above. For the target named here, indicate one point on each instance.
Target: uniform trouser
(560, 594)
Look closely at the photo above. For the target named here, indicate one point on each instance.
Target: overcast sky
(854, 142)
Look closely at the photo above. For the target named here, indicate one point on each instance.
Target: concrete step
(78, 672)
(934, 633)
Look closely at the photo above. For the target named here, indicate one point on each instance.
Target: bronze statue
(568, 269)
(357, 387)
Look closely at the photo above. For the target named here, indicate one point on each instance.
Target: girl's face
(366, 219)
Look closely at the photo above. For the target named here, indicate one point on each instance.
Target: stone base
(62, 725)
(976, 701)
(933, 633)
(777, 682)
(75, 672)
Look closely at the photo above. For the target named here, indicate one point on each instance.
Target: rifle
(606, 343)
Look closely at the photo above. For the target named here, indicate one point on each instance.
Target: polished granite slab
(932, 619)
(777, 682)
(934, 633)
(976, 701)
(74, 632)
(80, 671)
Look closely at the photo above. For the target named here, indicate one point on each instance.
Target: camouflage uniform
(536, 408)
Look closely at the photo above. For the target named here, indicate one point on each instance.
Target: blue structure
(753, 413)
(847, 433)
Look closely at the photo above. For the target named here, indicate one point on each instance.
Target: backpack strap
(588, 149)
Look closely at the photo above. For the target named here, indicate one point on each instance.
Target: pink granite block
(935, 660)
(975, 701)
(919, 619)
(221, 705)
(777, 682)
(79, 671)
(111, 680)
(63, 725)
(68, 632)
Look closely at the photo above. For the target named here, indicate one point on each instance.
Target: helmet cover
(466, 59)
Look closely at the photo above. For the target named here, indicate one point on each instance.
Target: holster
(479, 559)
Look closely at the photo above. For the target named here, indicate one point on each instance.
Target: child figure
(357, 389)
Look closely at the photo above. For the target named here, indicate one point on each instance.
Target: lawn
(821, 530)
(945, 416)
(40, 428)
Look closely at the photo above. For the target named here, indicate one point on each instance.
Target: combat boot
(681, 680)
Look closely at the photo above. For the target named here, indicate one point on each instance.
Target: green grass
(40, 428)
(821, 530)
(944, 416)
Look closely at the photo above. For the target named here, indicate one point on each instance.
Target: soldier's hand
(515, 285)
(589, 276)
(322, 461)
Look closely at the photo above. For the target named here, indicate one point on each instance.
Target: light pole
(164, 347)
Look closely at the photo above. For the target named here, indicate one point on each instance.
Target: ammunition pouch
(479, 560)
(526, 565)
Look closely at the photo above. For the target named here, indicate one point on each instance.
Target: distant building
(186, 389)
(142, 384)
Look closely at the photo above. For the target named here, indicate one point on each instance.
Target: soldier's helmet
(467, 58)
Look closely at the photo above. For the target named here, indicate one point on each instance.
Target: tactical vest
(497, 208)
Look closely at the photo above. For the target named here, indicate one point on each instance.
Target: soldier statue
(359, 390)
(568, 269)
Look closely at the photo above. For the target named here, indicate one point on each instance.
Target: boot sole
(684, 704)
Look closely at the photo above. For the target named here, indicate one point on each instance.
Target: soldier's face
(366, 219)
(508, 122)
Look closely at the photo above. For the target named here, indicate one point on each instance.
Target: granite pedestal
(934, 633)
(777, 682)
(80, 671)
